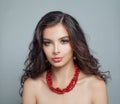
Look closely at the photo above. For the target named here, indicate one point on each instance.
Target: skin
(88, 89)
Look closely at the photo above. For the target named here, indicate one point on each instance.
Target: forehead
(55, 32)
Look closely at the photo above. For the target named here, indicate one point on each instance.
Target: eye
(65, 41)
(46, 43)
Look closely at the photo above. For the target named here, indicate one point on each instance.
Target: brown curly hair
(35, 63)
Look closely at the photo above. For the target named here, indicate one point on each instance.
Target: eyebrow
(58, 39)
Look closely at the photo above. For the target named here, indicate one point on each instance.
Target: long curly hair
(36, 61)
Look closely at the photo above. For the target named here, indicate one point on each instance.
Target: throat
(68, 87)
(63, 73)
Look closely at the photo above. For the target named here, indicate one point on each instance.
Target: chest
(78, 95)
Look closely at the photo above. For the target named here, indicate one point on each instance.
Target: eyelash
(46, 43)
(64, 41)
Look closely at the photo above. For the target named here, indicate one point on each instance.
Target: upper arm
(28, 96)
(100, 93)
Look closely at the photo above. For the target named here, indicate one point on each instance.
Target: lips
(57, 59)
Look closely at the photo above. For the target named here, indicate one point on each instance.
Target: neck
(62, 75)
(61, 87)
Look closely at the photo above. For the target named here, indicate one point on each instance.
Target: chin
(57, 64)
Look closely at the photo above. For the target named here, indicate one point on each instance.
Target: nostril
(56, 51)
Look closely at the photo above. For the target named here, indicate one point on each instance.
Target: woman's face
(56, 46)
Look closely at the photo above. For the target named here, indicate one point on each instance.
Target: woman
(60, 68)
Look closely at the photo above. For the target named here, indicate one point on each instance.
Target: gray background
(100, 20)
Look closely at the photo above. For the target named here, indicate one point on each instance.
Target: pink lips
(57, 59)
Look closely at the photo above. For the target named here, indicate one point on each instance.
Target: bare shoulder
(95, 87)
(30, 85)
(30, 89)
(96, 82)
(33, 83)
(91, 81)
(28, 96)
(98, 89)
(29, 81)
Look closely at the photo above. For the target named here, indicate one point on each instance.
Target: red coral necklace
(68, 88)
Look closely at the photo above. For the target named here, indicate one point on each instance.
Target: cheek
(46, 51)
(67, 49)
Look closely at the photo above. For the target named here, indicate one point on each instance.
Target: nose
(56, 48)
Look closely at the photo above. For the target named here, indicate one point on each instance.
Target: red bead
(68, 88)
